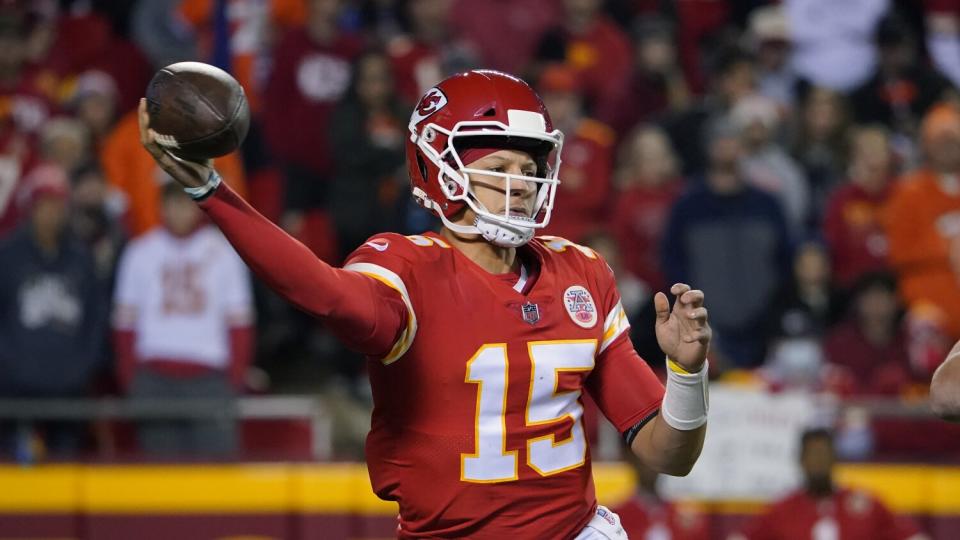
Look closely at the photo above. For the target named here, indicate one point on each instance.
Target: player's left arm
(945, 387)
(671, 442)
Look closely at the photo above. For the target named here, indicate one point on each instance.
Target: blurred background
(798, 160)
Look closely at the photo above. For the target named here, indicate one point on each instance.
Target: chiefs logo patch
(431, 102)
(580, 306)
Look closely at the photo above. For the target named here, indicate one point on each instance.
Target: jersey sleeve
(237, 301)
(366, 314)
(622, 384)
(388, 258)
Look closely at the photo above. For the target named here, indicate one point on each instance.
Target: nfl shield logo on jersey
(531, 313)
(580, 306)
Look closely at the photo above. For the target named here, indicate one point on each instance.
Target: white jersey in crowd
(833, 43)
(182, 295)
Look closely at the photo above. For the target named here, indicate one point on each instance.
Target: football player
(482, 338)
(945, 387)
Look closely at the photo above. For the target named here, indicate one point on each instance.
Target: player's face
(491, 190)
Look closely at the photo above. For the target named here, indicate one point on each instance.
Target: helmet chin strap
(497, 234)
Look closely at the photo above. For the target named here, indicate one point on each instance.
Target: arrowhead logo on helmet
(431, 102)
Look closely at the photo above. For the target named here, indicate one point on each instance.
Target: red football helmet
(481, 108)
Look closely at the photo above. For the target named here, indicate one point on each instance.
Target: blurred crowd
(797, 160)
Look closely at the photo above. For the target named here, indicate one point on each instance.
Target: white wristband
(686, 400)
(201, 192)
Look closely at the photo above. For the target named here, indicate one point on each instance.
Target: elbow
(678, 469)
(944, 402)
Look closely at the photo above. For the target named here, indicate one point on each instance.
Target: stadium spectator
(942, 22)
(833, 42)
(95, 220)
(131, 171)
(648, 516)
(732, 240)
(52, 310)
(428, 51)
(871, 343)
(65, 142)
(368, 129)
(312, 68)
(656, 86)
(583, 195)
(591, 44)
(820, 145)
(238, 36)
(766, 165)
(183, 326)
(922, 220)
(159, 31)
(94, 103)
(733, 78)
(902, 87)
(821, 509)
(852, 224)
(769, 36)
(648, 183)
(809, 304)
(520, 23)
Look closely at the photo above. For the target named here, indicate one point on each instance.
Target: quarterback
(482, 338)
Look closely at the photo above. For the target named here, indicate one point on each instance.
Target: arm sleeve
(368, 315)
(624, 387)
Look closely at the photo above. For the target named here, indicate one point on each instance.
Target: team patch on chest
(580, 306)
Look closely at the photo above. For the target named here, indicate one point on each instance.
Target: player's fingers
(698, 314)
(701, 335)
(692, 298)
(662, 306)
(144, 121)
(679, 288)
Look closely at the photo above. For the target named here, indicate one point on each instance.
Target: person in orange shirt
(922, 220)
(130, 169)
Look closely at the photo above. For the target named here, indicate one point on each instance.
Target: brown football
(197, 110)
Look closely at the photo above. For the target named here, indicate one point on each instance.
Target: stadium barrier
(334, 501)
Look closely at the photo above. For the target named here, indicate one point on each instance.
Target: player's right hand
(187, 173)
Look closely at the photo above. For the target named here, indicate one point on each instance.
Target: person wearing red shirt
(591, 43)
(429, 51)
(649, 183)
(852, 223)
(822, 510)
(482, 339)
(584, 193)
(871, 344)
(311, 72)
(647, 516)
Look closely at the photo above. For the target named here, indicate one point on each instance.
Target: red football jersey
(477, 425)
(847, 514)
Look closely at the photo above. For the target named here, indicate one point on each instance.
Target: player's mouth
(519, 212)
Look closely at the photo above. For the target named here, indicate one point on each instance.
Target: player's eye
(495, 169)
(530, 171)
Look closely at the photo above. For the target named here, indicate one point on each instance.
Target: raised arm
(671, 442)
(366, 314)
(945, 387)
